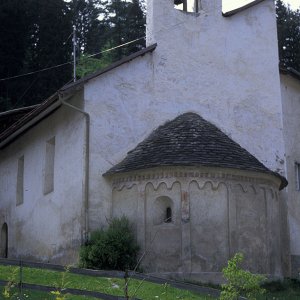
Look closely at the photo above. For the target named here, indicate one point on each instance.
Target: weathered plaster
(47, 227)
(201, 64)
(226, 70)
(290, 90)
(216, 213)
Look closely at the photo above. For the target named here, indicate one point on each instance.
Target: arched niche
(163, 208)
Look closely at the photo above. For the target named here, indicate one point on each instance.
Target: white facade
(290, 90)
(224, 69)
(45, 225)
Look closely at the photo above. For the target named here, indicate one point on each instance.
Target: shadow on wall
(4, 241)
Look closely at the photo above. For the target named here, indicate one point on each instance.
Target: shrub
(112, 249)
(239, 281)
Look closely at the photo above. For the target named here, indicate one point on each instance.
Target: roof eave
(237, 10)
(283, 181)
(66, 91)
(69, 88)
(290, 71)
(12, 134)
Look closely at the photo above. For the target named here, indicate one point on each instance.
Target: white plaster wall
(163, 240)
(290, 90)
(209, 226)
(225, 69)
(45, 227)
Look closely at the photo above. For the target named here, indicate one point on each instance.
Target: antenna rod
(74, 53)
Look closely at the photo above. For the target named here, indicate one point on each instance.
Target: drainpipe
(87, 162)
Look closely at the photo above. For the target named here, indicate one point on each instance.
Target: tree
(34, 36)
(118, 22)
(37, 34)
(14, 26)
(126, 21)
(288, 27)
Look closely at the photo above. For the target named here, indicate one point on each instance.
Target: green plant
(12, 282)
(114, 248)
(62, 285)
(239, 281)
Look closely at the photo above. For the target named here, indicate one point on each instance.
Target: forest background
(38, 35)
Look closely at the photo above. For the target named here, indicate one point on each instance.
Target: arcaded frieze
(185, 175)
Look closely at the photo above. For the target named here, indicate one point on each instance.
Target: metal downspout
(87, 164)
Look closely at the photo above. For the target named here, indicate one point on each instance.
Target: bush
(239, 281)
(112, 249)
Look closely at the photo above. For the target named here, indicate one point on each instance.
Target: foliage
(121, 17)
(37, 34)
(8, 292)
(62, 285)
(114, 248)
(288, 29)
(34, 35)
(87, 65)
(239, 281)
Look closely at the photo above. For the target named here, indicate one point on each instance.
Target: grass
(288, 289)
(113, 286)
(39, 295)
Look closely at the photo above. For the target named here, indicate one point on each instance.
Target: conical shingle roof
(189, 140)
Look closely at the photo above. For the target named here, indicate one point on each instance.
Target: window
(20, 181)
(168, 218)
(163, 210)
(297, 168)
(49, 166)
(187, 5)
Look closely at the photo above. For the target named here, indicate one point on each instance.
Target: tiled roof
(17, 126)
(189, 140)
(7, 118)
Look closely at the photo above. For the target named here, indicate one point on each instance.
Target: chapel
(195, 139)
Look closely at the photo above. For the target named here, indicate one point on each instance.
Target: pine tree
(288, 35)
(126, 21)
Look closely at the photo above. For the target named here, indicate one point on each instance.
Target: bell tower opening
(187, 5)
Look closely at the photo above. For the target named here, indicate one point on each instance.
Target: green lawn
(286, 290)
(36, 295)
(112, 286)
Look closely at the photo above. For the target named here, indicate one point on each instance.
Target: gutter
(9, 112)
(87, 162)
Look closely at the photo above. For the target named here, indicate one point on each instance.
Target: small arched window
(163, 210)
(168, 215)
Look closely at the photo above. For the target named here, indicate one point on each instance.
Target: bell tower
(220, 67)
(164, 14)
